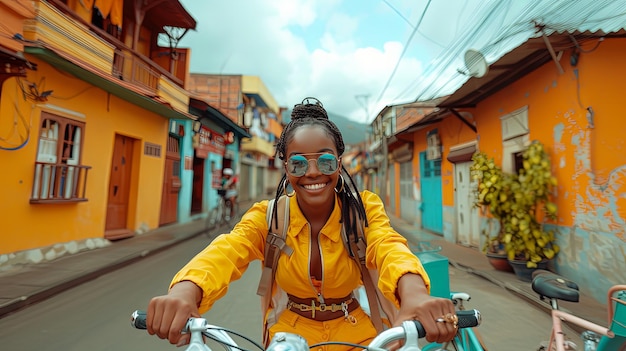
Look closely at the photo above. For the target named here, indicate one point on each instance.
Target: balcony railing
(58, 25)
(59, 183)
(131, 68)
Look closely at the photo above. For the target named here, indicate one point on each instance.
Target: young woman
(320, 269)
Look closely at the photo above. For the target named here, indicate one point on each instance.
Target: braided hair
(311, 112)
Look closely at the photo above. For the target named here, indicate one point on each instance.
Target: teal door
(432, 203)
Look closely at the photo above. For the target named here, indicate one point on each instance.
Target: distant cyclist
(230, 181)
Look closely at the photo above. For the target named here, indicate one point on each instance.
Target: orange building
(570, 101)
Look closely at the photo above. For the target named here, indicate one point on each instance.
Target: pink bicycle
(596, 337)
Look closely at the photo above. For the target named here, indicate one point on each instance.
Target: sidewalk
(27, 285)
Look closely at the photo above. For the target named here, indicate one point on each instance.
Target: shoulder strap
(359, 250)
(382, 311)
(274, 244)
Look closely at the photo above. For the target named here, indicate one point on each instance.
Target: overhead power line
(406, 46)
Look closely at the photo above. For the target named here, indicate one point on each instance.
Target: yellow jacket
(228, 256)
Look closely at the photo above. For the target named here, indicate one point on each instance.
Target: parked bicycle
(409, 333)
(553, 287)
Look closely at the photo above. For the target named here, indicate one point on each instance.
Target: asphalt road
(95, 316)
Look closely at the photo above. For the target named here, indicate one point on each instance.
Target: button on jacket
(228, 256)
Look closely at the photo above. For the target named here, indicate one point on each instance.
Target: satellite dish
(476, 63)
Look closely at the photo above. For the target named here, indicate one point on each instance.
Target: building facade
(247, 102)
(568, 102)
(89, 129)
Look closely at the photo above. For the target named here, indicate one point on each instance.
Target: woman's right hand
(167, 315)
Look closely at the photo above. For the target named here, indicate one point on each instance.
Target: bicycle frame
(217, 215)
(617, 320)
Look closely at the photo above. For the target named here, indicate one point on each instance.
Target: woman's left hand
(437, 315)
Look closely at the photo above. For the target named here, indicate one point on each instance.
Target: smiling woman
(314, 270)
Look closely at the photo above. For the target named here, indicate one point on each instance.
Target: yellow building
(85, 134)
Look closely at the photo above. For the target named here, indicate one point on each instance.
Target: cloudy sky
(355, 55)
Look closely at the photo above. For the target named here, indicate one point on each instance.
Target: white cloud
(267, 39)
(337, 49)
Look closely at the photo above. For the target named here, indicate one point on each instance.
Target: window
(406, 180)
(59, 176)
(518, 161)
(515, 138)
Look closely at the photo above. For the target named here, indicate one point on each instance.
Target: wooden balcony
(256, 144)
(59, 29)
(59, 182)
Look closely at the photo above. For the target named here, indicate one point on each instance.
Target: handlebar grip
(467, 319)
(421, 332)
(138, 319)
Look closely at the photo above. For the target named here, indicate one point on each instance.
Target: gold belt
(335, 307)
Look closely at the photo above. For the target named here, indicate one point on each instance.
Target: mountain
(353, 132)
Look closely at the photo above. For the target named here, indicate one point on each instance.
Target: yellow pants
(362, 332)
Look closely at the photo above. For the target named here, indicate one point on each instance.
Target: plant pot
(499, 261)
(524, 273)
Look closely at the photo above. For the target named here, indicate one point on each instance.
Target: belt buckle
(322, 307)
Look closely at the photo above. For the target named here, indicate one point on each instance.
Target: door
(198, 185)
(408, 202)
(171, 183)
(244, 182)
(466, 213)
(432, 198)
(116, 226)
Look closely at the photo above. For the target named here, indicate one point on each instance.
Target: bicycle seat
(554, 286)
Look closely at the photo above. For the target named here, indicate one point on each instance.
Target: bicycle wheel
(216, 216)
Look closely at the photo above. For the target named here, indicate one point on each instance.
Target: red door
(198, 185)
(119, 189)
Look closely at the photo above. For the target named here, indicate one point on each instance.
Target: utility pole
(363, 99)
(379, 133)
(385, 166)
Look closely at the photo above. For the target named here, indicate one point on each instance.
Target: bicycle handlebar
(410, 332)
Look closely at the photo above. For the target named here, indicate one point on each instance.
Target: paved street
(95, 315)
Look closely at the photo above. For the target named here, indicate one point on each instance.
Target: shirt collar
(297, 221)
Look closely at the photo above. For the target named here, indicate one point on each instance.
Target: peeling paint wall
(579, 118)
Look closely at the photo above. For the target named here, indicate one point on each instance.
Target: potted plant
(490, 180)
(520, 202)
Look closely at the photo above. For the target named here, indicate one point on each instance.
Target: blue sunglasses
(297, 165)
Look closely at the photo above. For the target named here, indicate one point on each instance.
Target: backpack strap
(359, 250)
(274, 244)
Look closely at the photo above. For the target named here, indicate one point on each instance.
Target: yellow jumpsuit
(228, 256)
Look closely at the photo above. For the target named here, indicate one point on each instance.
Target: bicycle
(596, 338)
(220, 214)
(409, 332)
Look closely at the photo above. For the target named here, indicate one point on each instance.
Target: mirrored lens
(297, 165)
(327, 164)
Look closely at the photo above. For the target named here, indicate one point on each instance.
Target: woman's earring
(343, 182)
(285, 184)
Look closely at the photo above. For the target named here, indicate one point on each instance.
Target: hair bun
(309, 107)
